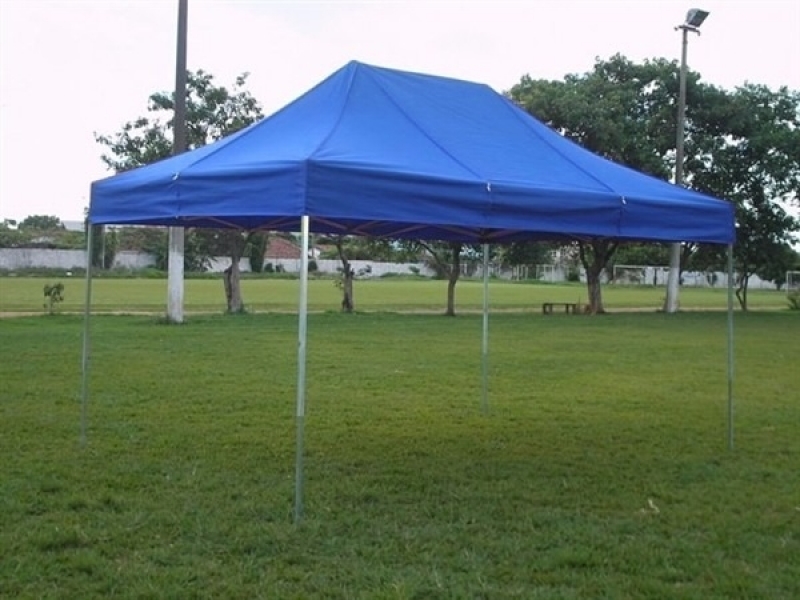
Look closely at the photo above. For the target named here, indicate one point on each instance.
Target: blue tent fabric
(381, 152)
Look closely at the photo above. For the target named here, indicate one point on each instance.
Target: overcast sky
(69, 68)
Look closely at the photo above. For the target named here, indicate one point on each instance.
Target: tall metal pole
(673, 280)
(85, 351)
(300, 414)
(176, 234)
(730, 346)
(485, 338)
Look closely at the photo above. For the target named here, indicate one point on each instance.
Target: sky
(73, 68)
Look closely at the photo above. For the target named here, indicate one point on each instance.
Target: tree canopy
(741, 145)
(212, 112)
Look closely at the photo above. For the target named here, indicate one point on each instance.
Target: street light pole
(694, 18)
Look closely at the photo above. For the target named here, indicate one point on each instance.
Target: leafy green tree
(41, 223)
(256, 249)
(621, 110)
(784, 259)
(212, 112)
(742, 145)
(10, 236)
(650, 255)
(348, 274)
(526, 253)
(755, 162)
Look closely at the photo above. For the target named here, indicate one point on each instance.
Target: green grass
(185, 488)
(204, 295)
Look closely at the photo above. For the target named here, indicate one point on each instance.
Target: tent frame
(302, 333)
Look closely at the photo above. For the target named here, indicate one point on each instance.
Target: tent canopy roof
(375, 151)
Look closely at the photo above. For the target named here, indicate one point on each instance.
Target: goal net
(640, 275)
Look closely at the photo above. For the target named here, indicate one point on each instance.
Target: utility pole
(176, 234)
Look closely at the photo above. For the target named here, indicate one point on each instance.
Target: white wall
(33, 258)
(12, 259)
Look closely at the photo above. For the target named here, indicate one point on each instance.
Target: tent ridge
(353, 65)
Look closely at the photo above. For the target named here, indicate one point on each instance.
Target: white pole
(175, 275)
(673, 280)
(176, 234)
(85, 352)
(730, 346)
(485, 343)
(301, 374)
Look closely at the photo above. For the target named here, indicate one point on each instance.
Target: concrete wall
(12, 259)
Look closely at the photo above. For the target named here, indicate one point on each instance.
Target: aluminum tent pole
(86, 315)
(730, 346)
(485, 342)
(301, 374)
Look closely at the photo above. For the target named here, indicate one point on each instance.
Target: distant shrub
(54, 294)
(794, 301)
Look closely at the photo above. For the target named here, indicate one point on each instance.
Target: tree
(743, 146)
(256, 250)
(41, 223)
(212, 112)
(445, 258)
(348, 303)
(526, 253)
(10, 236)
(620, 110)
(755, 162)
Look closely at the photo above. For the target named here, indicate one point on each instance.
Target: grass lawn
(206, 295)
(600, 471)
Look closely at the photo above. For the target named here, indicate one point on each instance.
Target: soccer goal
(792, 282)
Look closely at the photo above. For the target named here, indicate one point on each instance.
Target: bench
(569, 307)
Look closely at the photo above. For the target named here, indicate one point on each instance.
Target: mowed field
(389, 294)
(600, 471)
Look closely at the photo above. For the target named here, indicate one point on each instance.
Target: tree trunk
(233, 288)
(595, 292)
(741, 290)
(452, 279)
(601, 252)
(348, 304)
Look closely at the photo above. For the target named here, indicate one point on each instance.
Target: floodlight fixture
(695, 18)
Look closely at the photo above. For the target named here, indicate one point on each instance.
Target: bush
(54, 294)
(794, 301)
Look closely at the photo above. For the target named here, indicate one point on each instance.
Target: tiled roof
(278, 247)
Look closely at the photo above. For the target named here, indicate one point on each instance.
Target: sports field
(24, 294)
(601, 470)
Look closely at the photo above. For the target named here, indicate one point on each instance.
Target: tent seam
(338, 122)
(516, 111)
(426, 134)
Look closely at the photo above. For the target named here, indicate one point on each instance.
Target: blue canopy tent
(380, 152)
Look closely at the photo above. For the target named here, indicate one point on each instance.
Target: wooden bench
(569, 307)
